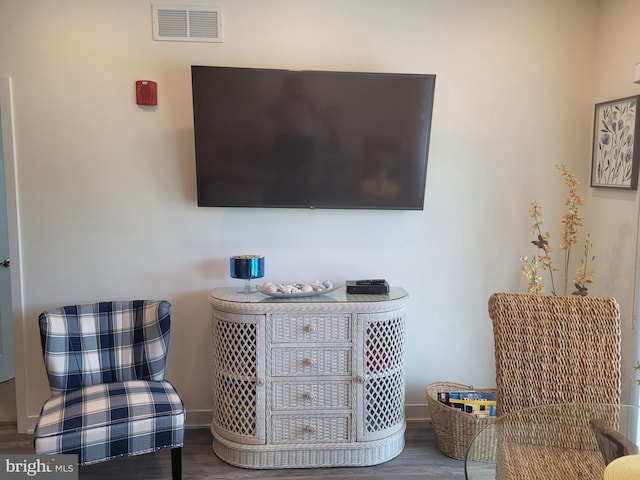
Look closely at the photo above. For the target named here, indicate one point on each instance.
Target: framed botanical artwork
(616, 144)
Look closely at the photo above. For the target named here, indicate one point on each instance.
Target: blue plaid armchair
(105, 364)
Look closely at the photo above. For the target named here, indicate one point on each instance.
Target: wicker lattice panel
(384, 345)
(384, 364)
(384, 402)
(234, 409)
(241, 359)
(235, 371)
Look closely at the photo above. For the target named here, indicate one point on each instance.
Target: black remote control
(376, 281)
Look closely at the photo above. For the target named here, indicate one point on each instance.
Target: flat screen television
(311, 139)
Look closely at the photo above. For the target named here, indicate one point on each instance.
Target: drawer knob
(360, 379)
(260, 381)
(309, 362)
(312, 328)
(311, 429)
(309, 396)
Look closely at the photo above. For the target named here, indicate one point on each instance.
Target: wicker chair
(105, 364)
(554, 350)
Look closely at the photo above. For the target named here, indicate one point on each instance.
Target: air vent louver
(187, 24)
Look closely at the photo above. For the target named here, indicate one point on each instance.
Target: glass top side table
(550, 442)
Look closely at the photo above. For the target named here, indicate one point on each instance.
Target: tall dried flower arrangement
(541, 262)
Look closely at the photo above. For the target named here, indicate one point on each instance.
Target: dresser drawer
(308, 395)
(310, 429)
(311, 328)
(304, 361)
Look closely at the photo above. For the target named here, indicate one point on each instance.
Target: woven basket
(455, 430)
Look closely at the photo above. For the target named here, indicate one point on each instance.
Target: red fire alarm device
(146, 92)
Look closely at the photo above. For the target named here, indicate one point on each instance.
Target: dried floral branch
(531, 271)
(542, 243)
(571, 220)
(571, 224)
(583, 275)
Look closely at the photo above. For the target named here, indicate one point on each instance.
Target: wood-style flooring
(419, 460)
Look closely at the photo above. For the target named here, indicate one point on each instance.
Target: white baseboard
(198, 419)
(417, 412)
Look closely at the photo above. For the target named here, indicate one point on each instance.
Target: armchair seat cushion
(539, 462)
(104, 421)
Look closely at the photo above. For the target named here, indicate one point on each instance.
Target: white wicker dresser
(308, 382)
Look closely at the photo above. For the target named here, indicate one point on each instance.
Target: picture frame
(616, 144)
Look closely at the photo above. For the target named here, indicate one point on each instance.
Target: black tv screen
(311, 139)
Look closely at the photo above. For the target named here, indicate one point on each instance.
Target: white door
(7, 369)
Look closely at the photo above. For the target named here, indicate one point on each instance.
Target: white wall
(616, 213)
(107, 189)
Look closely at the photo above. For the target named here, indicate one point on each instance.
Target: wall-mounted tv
(311, 139)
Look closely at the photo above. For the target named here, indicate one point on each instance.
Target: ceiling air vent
(187, 24)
